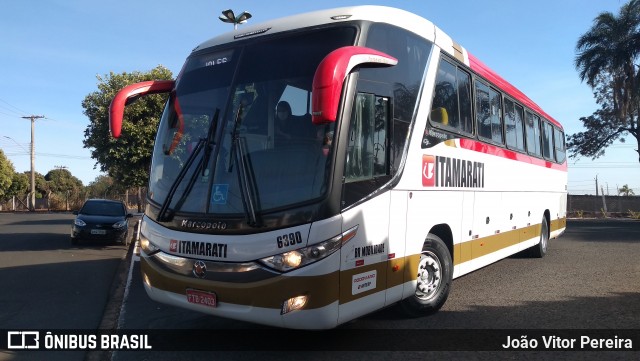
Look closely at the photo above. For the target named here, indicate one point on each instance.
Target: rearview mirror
(331, 73)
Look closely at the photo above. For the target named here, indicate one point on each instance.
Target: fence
(601, 205)
(67, 202)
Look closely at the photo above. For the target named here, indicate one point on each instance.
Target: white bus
(315, 168)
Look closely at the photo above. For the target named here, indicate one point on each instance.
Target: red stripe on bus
(482, 69)
(485, 148)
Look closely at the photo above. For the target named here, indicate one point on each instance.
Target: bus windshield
(236, 136)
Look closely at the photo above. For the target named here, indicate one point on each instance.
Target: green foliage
(19, 185)
(104, 187)
(126, 159)
(61, 180)
(634, 215)
(580, 213)
(607, 59)
(6, 174)
(42, 186)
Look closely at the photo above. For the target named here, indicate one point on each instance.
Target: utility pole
(32, 206)
(596, 185)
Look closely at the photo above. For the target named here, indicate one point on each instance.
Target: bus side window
(513, 118)
(558, 137)
(533, 134)
(489, 113)
(547, 140)
(367, 148)
(451, 106)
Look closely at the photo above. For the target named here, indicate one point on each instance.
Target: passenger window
(451, 106)
(489, 113)
(558, 136)
(533, 134)
(547, 140)
(367, 148)
(513, 119)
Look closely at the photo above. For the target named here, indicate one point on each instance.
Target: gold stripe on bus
(271, 293)
(557, 224)
(326, 289)
(470, 250)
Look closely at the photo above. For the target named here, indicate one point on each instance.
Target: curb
(113, 307)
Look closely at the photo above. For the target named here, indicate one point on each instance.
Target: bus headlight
(146, 245)
(291, 260)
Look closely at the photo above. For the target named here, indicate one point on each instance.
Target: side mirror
(75, 213)
(128, 93)
(331, 73)
(129, 215)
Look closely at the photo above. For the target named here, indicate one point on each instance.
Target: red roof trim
(483, 70)
(481, 147)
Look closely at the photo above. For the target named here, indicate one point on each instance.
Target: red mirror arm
(116, 109)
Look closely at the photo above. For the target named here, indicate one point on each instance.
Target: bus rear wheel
(434, 275)
(540, 249)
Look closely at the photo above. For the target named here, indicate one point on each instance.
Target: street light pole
(32, 206)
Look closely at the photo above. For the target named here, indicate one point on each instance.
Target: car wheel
(74, 241)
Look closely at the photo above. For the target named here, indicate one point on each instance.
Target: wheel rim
(429, 276)
(544, 237)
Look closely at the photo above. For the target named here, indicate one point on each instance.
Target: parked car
(101, 220)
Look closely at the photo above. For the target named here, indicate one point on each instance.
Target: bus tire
(540, 249)
(434, 277)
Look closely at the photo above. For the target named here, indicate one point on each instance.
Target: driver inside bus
(283, 121)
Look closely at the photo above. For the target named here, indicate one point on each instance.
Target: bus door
(363, 271)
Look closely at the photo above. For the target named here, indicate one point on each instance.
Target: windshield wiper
(246, 179)
(165, 214)
(209, 145)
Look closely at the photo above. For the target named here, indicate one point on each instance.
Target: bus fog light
(294, 304)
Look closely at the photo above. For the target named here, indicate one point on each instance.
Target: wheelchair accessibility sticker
(220, 194)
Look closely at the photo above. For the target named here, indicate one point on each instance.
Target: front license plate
(201, 298)
(98, 231)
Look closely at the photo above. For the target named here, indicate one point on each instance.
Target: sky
(52, 51)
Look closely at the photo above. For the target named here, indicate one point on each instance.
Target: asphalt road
(590, 280)
(46, 283)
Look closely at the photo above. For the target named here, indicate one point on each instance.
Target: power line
(19, 111)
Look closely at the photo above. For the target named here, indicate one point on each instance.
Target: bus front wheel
(434, 275)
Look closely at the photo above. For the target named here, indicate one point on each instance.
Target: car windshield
(102, 209)
(245, 112)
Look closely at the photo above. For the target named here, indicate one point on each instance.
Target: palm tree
(626, 191)
(609, 50)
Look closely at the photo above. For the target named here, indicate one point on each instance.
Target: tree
(6, 174)
(104, 187)
(19, 185)
(126, 159)
(63, 183)
(625, 191)
(606, 59)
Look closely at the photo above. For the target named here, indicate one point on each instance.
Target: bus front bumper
(256, 296)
